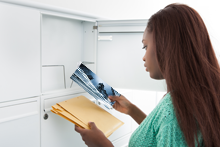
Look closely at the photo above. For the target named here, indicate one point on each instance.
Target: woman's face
(149, 58)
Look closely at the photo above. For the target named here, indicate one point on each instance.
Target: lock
(46, 116)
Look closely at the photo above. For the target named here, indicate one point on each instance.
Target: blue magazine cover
(95, 86)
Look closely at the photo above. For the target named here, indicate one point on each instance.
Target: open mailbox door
(120, 55)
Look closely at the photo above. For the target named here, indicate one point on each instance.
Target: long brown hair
(189, 65)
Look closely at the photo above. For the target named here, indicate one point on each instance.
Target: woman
(178, 49)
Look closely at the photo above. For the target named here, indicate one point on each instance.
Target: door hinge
(95, 27)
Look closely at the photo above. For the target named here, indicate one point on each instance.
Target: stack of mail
(81, 111)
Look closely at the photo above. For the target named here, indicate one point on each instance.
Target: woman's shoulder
(165, 106)
(164, 113)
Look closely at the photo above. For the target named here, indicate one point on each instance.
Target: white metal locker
(59, 39)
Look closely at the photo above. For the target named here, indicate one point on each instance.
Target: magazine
(95, 86)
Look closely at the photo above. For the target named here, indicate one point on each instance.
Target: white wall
(137, 9)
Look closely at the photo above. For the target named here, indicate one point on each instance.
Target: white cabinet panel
(20, 52)
(20, 123)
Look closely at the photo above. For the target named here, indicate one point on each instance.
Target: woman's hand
(125, 106)
(93, 137)
(121, 104)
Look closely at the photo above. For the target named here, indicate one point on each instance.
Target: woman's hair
(188, 63)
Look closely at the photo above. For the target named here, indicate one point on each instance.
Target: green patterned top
(160, 128)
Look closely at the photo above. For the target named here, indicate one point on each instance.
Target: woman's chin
(146, 70)
(155, 77)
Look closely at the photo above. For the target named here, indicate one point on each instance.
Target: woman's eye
(145, 47)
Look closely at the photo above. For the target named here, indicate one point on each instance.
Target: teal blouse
(160, 128)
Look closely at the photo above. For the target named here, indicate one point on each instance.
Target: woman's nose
(143, 59)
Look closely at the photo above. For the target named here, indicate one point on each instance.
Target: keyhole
(46, 116)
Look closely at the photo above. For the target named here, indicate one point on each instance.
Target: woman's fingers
(114, 98)
(92, 125)
(78, 129)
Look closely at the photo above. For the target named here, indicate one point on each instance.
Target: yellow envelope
(81, 111)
